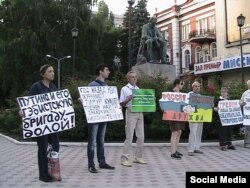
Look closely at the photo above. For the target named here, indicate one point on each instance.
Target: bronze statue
(152, 45)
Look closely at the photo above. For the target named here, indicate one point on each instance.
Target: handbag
(54, 164)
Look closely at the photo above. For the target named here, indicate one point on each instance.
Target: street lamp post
(240, 23)
(58, 67)
(74, 33)
(130, 2)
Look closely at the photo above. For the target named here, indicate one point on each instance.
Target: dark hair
(176, 81)
(100, 67)
(43, 68)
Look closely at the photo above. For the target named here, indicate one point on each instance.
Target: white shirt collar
(131, 86)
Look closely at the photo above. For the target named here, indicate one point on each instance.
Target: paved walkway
(18, 166)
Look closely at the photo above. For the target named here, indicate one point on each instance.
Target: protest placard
(100, 103)
(143, 100)
(46, 113)
(246, 110)
(173, 105)
(230, 112)
(178, 106)
(203, 108)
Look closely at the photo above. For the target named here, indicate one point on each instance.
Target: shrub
(155, 128)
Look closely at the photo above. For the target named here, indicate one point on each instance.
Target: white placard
(230, 112)
(246, 110)
(46, 113)
(100, 103)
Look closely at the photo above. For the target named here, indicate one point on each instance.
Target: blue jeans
(96, 134)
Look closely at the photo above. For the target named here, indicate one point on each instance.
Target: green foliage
(155, 128)
(11, 123)
(31, 29)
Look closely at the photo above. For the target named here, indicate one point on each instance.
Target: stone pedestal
(154, 69)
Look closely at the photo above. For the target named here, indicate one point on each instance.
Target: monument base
(156, 69)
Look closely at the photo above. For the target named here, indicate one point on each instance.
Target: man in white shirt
(134, 123)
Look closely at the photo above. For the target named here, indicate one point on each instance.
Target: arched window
(198, 54)
(213, 50)
(187, 58)
(167, 59)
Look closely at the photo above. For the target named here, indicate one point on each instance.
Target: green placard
(143, 100)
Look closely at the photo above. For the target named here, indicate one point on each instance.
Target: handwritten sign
(46, 113)
(184, 107)
(174, 105)
(143, 100)
(203, 108)
(100, 103)
(246, 110)
(230, 112)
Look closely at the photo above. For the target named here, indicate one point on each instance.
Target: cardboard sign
(46, 113)
(230, 112)
(143, 100)
(246, 110)
(186, 107)
(100, 103)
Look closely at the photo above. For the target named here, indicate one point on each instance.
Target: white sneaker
(140, 161)
(126, 163)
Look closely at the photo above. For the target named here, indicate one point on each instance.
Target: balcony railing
(202, 35)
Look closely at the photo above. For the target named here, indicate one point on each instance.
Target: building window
(201, 26)
(187, 59)
(213, 50)
(165, 35)
(198, 54)
(205, 25)
(206, 55)
(211, 23)
(185, 31)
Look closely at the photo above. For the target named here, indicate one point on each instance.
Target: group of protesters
(134, 124)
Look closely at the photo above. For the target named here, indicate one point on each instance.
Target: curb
(66, 144)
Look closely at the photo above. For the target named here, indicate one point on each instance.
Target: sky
(120, 6)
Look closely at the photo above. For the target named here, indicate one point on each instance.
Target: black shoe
(175, 156)
(46, 179)
(178, 153)
(107, 166)
(231, 147)
(92, 169)
(198, 151)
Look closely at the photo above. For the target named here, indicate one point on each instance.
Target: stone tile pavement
(18, 165)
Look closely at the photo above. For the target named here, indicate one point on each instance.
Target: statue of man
(152, 46)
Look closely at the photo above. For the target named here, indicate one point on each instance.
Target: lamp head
(241, 20)
(74, 32)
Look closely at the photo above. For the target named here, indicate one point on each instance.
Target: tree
(139, 16)
(30, 29)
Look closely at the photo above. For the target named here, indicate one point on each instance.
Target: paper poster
(230, 112)
(46, 113)
(100, 103)
(143, 100)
